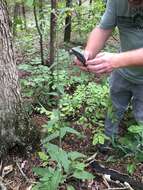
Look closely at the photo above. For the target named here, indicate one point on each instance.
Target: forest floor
(17, 167)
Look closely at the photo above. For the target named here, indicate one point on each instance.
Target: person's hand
(103, 63)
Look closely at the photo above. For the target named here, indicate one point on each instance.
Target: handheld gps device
(79, 55)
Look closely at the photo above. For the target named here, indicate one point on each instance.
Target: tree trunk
(67, 34)
(15, 17)
(39, 32)
(80, 3)
(41, 15)
(24, 15)
(53, 31)
(14, 126)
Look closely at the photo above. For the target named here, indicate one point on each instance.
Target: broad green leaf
(62, 132)
(51, 123)
(63, 157)
(42, 171)
(101, 139)
(131, 168)
(75, 155)
(53, 151)
(83, 175)
(43, 156)
(65, 130)
(80, 166)
(95, 139)
(136, 129)
(51, 137)
(56, 179)
(58, 155)
(70, 187)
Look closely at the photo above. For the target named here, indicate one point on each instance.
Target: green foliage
(37, 84)
(70, 187)
(132, 144)
(75, 96)
(50, 178)
(66, 165)
(29, 3)
(83, 105)
(92, 13)
(99, 137)
(131, 168)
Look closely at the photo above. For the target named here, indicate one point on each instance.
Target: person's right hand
(103, 63)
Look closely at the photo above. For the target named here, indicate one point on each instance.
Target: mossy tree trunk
(14, 126)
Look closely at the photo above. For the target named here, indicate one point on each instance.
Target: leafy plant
(66, 165)
(99, 137)
(92, 12)
(132, 146)
(83, 105)
(131, 168)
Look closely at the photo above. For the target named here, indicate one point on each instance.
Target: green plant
(87, 105)
(131, 168)
(99, 137)
(132, 143)
(66, 165)
(131, 146)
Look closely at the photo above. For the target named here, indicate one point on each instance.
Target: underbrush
(68, 97)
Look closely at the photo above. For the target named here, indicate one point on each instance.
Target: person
(126, 67)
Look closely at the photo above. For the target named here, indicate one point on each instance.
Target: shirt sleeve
(109, 18)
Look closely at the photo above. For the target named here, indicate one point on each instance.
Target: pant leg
(137, 102)
(120, 95)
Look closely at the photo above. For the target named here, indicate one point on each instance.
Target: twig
(91, 158)
(128, 185)
(23, 174)
(105, 181)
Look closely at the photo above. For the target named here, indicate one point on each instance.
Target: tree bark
(41, 15)
(53, 22)
(67, 34)
(24, 15)
(15, 17)
(39, 32)
(14, 126)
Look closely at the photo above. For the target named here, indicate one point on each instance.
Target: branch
(23, 174)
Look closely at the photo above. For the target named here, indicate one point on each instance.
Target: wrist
(117, 63)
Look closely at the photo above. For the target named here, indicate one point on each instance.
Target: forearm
(96, 41)
(130, 58)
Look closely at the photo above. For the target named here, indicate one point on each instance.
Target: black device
(79, 55)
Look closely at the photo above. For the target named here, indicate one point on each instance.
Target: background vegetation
(71, 104)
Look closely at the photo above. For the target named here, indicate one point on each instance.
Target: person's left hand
(103, 63)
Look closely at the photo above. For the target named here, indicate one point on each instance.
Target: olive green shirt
(129, 21)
